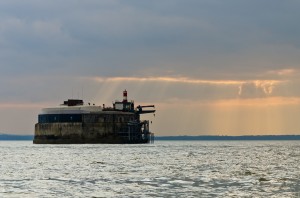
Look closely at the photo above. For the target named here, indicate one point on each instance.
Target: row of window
(51, 118)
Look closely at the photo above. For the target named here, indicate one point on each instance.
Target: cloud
(142, 89)
(245, 89)
(18, 105)
(258, 102)
(164, 52)
(257, 88)
(168, 80)
(284, 72)
(117, 38)
(258, 83)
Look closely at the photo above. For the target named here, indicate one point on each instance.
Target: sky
(211, 67)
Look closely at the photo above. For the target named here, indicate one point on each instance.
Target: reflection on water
(163, 169)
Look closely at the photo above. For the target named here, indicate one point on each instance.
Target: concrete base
(80, 140)
(95, 129)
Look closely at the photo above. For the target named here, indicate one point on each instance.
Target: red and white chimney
(125, 96)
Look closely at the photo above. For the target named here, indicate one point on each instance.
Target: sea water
(162, 169)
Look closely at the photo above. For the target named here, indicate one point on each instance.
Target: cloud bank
(185, 56)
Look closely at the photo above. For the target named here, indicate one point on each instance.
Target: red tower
(124, 96)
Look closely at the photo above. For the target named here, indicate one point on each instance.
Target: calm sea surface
(163, 169)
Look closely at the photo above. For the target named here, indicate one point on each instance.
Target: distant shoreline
(228, 138)
(8, 137)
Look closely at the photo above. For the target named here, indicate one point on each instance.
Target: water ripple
(165, 169)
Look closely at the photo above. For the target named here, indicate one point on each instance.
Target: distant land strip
(9, 137)
(219, 138)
